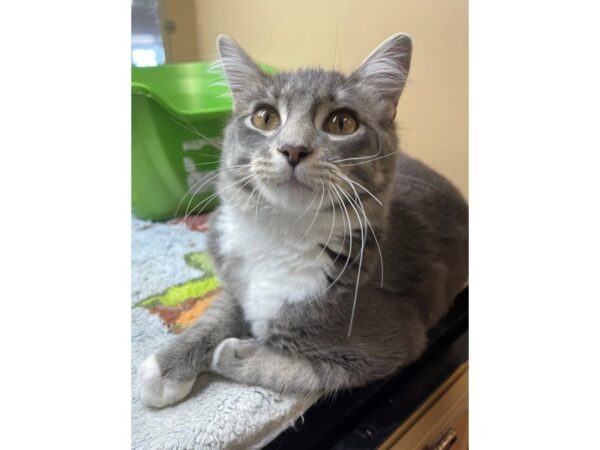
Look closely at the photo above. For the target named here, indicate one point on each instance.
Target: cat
(336, 251)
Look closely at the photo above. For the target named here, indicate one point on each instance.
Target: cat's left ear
(240, 69)
(386, 69)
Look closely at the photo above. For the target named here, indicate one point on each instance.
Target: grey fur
(415, 216)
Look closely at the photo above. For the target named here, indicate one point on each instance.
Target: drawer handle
(446, 441)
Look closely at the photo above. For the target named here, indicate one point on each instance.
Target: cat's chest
(272, 270)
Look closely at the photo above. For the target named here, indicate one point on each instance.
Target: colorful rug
(173, 283)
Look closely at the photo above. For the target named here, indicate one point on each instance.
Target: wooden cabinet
(441, 423)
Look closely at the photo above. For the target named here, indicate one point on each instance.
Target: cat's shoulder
(416, 178)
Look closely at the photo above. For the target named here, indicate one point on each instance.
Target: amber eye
(266, 118)
(341, 123)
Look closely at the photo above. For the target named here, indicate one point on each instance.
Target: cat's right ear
(240, 69)
(386, 70)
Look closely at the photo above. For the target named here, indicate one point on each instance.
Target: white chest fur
(278, 266)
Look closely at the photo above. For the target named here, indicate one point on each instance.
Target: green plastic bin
(178, 115)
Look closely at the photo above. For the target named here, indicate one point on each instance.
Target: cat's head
(312, 134)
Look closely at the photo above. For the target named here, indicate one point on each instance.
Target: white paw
(156, 391)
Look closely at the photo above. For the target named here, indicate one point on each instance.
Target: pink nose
(294, 155)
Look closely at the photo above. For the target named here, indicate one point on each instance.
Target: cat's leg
(249, 362)
(168, 375)
(325, 371)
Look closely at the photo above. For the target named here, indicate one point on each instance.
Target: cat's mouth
(294, 183)
(290, 191)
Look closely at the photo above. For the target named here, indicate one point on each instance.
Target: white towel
(219, 414)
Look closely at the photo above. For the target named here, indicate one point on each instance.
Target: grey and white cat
(336, 252)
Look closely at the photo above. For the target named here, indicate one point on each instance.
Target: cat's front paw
(157, 391)
(231, 353)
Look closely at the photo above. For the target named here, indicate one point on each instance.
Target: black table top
(364, 418)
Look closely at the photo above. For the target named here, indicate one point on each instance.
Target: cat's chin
(291, 195)
(295, 186)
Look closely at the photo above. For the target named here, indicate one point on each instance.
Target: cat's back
(427, 196)
(427, 236)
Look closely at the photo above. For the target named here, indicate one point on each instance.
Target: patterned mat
(173, 283)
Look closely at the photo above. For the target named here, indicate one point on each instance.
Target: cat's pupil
(341, 124)
(266, 117)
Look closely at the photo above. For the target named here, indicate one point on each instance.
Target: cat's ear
(386, 68)
(240, 69)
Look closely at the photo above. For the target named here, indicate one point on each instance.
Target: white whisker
(208, 179)
(356, 158)
(257, 185)
(425, 182)
(316, 212)
(351, 182)
(347, 216)
(260, 192)
(189, 127)
(199, 206)
(193, 191)
(330, 231)
(308, 207)
(362, 250)
(362, 207)
(369, 161)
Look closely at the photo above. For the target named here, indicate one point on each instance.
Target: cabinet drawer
(441, 423)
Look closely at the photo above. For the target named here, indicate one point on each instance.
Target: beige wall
(181, 43)
(432, 114)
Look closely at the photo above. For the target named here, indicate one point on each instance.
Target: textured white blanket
(219, 414)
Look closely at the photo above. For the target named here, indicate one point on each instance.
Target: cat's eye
(266, 118)
(341, 123)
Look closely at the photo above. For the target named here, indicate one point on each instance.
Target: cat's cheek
(157, 391)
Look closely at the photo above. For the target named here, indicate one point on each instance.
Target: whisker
(195, 188)
(362, 207)
(356, 158)
(307, 208)
(193, 130)
(256, 187)
(343, 219)
(204, 163)
(350, 181)
(330, 231)
(362, 250)
(316, 212)
(214, 195)
(247, 179)
(369, 161)
(347, 216)
(378, 249)
(425, 182)
(260, 192)
(209, 178)
(207, 200)
(202, 203)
